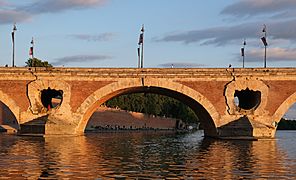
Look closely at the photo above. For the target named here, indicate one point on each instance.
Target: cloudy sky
(186, 33)
(191, 33)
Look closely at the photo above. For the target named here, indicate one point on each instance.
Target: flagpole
(12, 50)
(139, 57)
(32, 42)
(243, 53)
(265, 57)
(244, 60)
(265, 43)
(142, 56)
(13, 46)
(142, 47)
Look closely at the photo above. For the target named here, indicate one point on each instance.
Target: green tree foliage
(34, 62)
(287, 124)
(154, 104)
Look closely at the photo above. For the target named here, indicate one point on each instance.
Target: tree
(154, 104)
(285, 124)
(34, 62)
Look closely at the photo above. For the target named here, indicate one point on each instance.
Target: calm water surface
(146, 155)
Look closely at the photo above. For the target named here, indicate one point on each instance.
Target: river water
(147, 155)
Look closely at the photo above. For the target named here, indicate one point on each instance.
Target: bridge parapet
(209, 73)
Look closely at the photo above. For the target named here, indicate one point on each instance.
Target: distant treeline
(287, 124)
(154, 104)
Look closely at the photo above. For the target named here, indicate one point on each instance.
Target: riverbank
(286, 124)
(108, 119)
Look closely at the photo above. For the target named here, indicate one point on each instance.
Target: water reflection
(145, 155)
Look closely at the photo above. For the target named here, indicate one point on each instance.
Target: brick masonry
(82, 89)
(210, 92)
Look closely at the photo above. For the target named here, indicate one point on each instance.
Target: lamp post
(264, 40)
(13, 47)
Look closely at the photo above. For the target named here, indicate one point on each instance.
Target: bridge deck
(25, 72)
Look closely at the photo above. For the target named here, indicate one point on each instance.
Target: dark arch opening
(51, 98)
(8, 122)
(204, 117)
(247, 99)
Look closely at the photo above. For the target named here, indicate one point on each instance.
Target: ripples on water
(146, 155)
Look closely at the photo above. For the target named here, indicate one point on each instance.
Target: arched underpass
(288, 121)
(287, 109)
(8, 122)
(291, 113)
(204, 117)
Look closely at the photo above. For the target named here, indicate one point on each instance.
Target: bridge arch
(203, 108)
(284, 107)
(10, 103)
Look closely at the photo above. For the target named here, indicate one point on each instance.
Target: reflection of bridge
(229, 102)
(59, 155)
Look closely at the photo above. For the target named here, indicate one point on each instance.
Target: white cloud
(277, 30)
(273, 54)
(281, 29)
(11, 14)
(100, 37)
(3, 3)
(258, 7)
(79, 59)
(53, 6)
(216, 36)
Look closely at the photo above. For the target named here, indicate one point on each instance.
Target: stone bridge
(229, 102)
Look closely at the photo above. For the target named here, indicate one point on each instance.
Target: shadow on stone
(34, 127)
(241, 127)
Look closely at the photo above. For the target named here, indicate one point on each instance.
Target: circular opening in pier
(51, 98)
(247, 99)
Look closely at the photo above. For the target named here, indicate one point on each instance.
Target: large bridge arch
(284, 107)
(209, 116)
(11, 104)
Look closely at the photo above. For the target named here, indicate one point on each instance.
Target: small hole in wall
(247, 99)
(51, 98)
(236, 100)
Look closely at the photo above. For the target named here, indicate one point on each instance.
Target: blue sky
(186, 33)
(191, 33)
